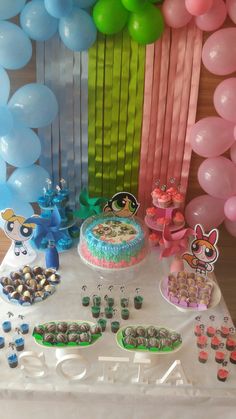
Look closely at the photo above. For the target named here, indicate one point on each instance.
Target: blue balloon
(15, 46)
(33, 105)
(10, 199)
(4, 86)
(29, 182)
(37, 23)
(3, 170)
(84, 3)
(21, 147)
(77, 30)
(6, 120)
(10, 8)
(58, 8)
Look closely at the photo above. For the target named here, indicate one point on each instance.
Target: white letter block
(110, 366)
(33, 364)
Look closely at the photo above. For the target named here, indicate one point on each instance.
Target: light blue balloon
(4, 86)
(10, 8)
(58, 8)
(29, 182)
(36, 22)
(10, 199)
(3, 170)
(77, 30)
(21, 147)
(33, 105)
(15, 46)
(6, 120)
(84, 3)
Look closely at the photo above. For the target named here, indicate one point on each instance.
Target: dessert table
(55, 397)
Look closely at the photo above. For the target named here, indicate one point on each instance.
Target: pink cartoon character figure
(204, 251)
(19, 232)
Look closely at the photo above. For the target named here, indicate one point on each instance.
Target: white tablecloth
(54, 397)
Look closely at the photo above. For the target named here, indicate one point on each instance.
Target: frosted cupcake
(156, 193)
(178, 200)
(165, 200)
(172, 191)
(161, 222)
(178, 219)
(151, 212)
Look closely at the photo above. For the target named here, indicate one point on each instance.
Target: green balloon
(146, 26)
(134, 5)
(110, 16)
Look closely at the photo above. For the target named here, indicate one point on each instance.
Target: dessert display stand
(166, 213)
(138, 389)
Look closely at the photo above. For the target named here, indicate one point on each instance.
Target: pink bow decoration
(175, 243)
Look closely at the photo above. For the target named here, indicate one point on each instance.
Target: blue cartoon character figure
(122, 204)
(17, 230)
(204, 251)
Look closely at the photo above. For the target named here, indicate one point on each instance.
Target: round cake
(112, 242)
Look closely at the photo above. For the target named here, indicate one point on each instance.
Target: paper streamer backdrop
(116, 82)
(170, 102)
(65, 142)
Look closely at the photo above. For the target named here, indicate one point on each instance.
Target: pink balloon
(230, 208)
(231, 7)
(198, 7)
(217, 177)
(212, 136)
(205, 210)
(175, 13)
(214, 18)
(219, 52)
(225, 99)
(233, 153)
(235, 132)
(230, 227)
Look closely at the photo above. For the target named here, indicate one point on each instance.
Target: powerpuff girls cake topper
(19, 232)
(122, 204)
(204, 250)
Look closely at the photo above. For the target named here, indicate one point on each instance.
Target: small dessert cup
(211, 327)
(202, 341)
(95, 311)
(232, 357)
(110, 301)
(230, 344)
(2, 342)
(138, 301)
(24, 328)
(124, 302)
(203, 356)
(220, 356)
(85, 301)
(223, 371)
(215, 342)
(225, 328)
(109, 312)
(96, 300)
(125, 313)
(6, 326)
(19, 343)
(12, 360)
(102, 323)
(115, 326)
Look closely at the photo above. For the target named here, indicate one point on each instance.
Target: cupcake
(151, 212)
(85, 301)
(24, 328)
(172, 191)
(124, 302)
(156, 193)
(95, 311)
(178, 219)
(178, 200)
(110, 302)
(96, 300)
(161, 222)
(109, 312)
(211, 331)
(19, 343)
(164, 201)
(154, 239)
(6, 326)
(224, 331)
(102, 323)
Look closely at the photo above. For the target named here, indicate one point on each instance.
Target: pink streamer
(170, 102)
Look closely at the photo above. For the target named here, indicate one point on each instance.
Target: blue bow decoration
(47, 228)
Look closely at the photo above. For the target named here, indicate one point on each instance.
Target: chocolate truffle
(85, 337)
(141, 341)
(15, 295)
(50, 327)
(73, 327)
(8, 289)
(141, 331)
(95, 329)
(39, 330)
(129, 331)
(130, 341)
(62, 327)
(153, 343)
(37, 270)
(49, 337)
(73, 337)
(61, 338)
(151, 332)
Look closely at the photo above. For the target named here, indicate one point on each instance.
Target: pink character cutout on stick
(204, 251)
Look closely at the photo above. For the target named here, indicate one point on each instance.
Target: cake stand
(166, 213)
